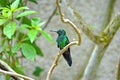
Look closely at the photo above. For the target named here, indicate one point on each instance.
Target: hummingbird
(62, 40)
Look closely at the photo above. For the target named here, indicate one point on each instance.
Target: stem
(12, 17)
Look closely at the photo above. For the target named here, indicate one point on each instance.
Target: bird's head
(60, 32)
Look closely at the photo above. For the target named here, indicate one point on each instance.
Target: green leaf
(20, 36)
(7, 77)
(6, 12)
(16, 47)
(2, 17)
(26, 20)
(46, 35)
(37, 71)
(35, 22)
(25, 13)
(38, 50)
(34, 1)
(17, 67)
(10, 53)
(3, 3)
(28, 51)
(92, 27)
(9, 29)
(14, 5)
(32, 35)
(23, 26)
(1, 56)
(42, 23)
(22, 8)
(2, 21)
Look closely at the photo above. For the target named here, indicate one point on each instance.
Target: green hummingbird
(62, 40)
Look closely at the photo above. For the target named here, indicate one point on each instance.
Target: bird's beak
(52, 31)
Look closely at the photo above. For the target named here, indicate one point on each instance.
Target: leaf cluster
(19, 34)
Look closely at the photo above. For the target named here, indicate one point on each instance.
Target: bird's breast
(61, 42)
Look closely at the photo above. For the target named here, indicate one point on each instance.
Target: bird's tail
(67, 57)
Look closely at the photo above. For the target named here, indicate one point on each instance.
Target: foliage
(19, 34)
(37, 71)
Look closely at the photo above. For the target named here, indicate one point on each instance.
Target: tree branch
(102, 42)
(15, 74)
(58, 56)
(85, 28)
(109, 13)
(99, 50)
(67, 21)
(5, 69)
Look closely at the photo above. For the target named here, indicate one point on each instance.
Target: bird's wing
(67, 42)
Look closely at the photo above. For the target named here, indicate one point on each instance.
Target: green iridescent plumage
(62, 40)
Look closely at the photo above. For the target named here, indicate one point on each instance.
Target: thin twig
(6, 69)
(49, 19)
(66, 47)
(58, 56)
(68, 22)
(15, 74)
(5, 66)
